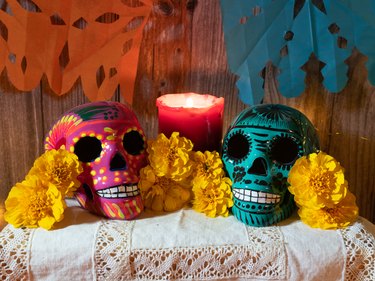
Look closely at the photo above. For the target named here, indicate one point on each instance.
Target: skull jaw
(121, 209)
(262, 200)
(260, 215)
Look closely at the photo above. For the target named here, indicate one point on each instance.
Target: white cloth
(185, 245)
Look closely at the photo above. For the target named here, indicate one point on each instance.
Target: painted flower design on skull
(110, 143)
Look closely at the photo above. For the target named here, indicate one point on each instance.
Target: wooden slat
(353, 134)
(183, 51)
(209, 71)
(164, 59)
(54, 106)
(21, 134)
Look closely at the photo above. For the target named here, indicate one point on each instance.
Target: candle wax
(196, 117)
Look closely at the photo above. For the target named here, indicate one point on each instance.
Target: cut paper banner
(95, 42)
(287, 32)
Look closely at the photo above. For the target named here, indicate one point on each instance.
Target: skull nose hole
(259, 167)
(117, 163)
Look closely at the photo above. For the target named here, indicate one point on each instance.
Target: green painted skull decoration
(259, 150)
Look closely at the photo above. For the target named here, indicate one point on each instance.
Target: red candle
(196, 117)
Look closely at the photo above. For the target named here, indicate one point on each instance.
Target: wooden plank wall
(183, 50)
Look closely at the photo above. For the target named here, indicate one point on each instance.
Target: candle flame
(189, 102)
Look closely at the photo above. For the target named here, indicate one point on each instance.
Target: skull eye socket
(133, 142)
(285, 150)
(237, 146)
(88, 149)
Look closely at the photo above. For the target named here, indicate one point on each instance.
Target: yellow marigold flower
(60, 168)
(171, 157)
(214, 199)
(339, 216)
(162, 193)
(32, 204)
(208, 168)
(317, 181)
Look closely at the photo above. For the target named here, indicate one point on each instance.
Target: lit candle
(196, 117)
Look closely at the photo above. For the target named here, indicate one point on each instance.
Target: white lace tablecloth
(185, 245)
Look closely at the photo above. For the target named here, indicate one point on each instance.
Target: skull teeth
(120, 191)
(254, 196)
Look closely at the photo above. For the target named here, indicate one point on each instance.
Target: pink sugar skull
(110, 143)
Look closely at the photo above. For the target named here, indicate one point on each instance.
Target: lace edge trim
(110, 254)
(148, 264)
(359, 247)
(15, 266)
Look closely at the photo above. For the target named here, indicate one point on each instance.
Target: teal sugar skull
(259, 149)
